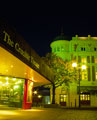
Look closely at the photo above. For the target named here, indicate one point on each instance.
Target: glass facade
(11, 91)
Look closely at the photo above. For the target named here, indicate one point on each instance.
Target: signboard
(16, 45)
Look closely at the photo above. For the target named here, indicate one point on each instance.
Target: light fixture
(14, 79)
(16, 86)
(6, 70)
(7, 83)
(6, 78)
(31, 83)
(39, 96)
(35, 92)
(83, 67)
(74, 64)
(0, 82)
(11, 66)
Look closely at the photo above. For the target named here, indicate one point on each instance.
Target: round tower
(60, 46)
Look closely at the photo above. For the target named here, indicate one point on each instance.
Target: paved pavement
(47, 114)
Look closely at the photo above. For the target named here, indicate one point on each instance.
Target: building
(82, 50)
(21, 69)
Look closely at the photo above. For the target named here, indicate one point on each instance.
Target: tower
(60, 46)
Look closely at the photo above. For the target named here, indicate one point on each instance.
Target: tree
(63, 71)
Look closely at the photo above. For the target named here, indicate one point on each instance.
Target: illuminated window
(63, 98)
(83, 60)
(84, 75)
(95, 60)
(96, 75)
(62, 48)
(85, 97)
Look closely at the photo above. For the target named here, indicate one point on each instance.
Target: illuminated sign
(7, 39)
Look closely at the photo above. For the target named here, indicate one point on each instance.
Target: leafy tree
(63, 71)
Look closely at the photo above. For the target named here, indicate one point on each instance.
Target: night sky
(39, 29)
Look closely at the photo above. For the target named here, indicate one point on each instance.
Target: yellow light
(11, 66)
(0, 82)
(39, 96)
(14, 79)
(16, 86)
(74, 64)
(3, 85)
(5, 112)
(18, 82)
(6, 70)
(6, 78)
(31, 83)
(83, 67)
(35, 92)
(7, 83)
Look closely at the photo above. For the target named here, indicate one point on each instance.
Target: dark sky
(39, 29)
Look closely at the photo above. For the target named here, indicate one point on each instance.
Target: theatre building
(83, 51)
(20, 69)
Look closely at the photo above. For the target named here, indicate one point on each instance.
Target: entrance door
(63, 99)
(85, 99)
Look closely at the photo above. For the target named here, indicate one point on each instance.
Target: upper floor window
(95, 49)
(95, 60)
(58, 49)
(54, 49)
(82, 49)
(88, 59)
(79, 59)
(62, 48)
(84, 75)
(75, 47)
(92, 58)
(96, 75)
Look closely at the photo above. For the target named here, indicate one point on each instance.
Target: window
(95, 60)
(79, 59)
(96, 75)
(92, 58)
(82, 49)
(75, 47)
(62, 48)
(89, 75)
(84, 75)
(54, 49)
(58, 49)
(93, 73)
(95, 49)
(88, 59)
(85, 97)
(83, 60)
(62, 98)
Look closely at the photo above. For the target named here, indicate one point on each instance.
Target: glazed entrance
(11, 91)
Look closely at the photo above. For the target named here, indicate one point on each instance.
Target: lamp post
(83, 67)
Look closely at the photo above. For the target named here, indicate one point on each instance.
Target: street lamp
(83, 67)
(35, 92)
